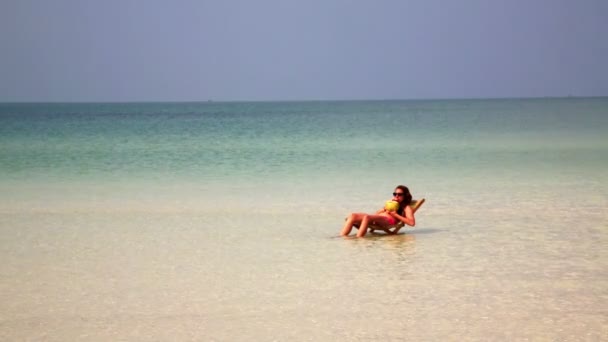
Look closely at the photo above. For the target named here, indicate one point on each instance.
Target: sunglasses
(400, 194)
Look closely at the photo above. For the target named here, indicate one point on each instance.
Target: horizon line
(310, 100)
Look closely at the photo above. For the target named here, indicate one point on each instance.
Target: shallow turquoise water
(168, 220)
(279, 139)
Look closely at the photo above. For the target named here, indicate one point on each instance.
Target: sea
(220, 221)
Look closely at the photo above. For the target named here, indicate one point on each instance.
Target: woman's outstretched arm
(408, 219)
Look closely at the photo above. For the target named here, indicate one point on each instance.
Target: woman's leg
(351, 220)
(363, 226)
(366, 219)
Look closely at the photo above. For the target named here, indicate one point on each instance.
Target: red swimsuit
(391, 220)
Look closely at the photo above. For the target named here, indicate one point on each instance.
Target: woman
(383, 218)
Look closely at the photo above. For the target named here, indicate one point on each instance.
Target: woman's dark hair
(407, 198)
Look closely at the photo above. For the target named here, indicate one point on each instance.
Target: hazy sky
(121, 50)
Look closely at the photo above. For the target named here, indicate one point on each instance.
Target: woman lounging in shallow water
(383, 218)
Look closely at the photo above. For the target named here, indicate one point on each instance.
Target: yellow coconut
(391, 205)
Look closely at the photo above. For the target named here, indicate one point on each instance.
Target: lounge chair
(415, 205)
